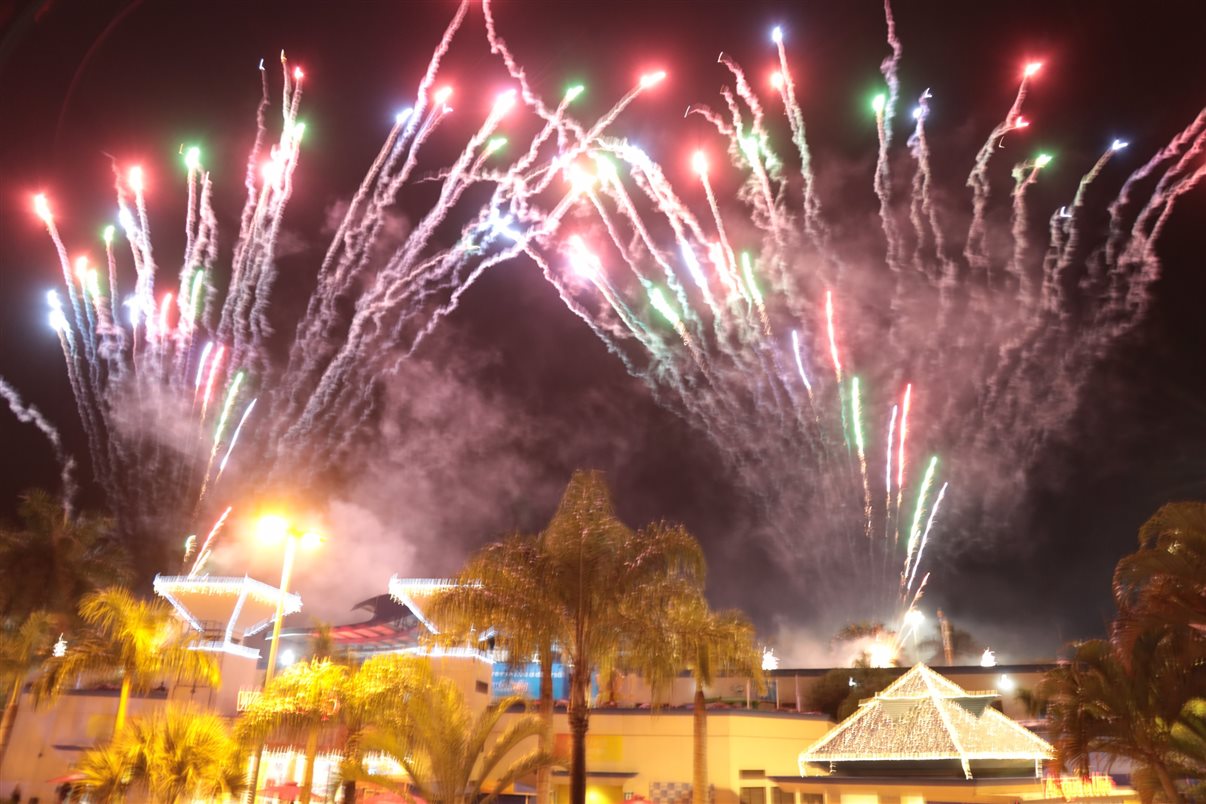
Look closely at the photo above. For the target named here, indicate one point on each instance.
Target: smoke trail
(28, 414)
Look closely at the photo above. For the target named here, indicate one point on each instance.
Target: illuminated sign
(525, 681)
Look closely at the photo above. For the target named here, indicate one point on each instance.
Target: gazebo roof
(923, 716)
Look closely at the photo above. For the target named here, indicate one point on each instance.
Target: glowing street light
(273, 529)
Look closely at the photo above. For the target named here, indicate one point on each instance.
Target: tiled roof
(923, 716)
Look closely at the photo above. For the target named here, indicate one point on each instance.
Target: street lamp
(272, 529)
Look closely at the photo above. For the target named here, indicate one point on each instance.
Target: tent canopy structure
(923, 718)
(226, 610)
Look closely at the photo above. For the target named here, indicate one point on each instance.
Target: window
(753, 795)
(482, 686)
(781, 796)
(812, 798)
(753, 774)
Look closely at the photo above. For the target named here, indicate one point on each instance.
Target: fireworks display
(815, 371)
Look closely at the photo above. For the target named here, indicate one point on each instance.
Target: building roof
(390, 626)
(235, 606)
(415, 592)
(923, 717)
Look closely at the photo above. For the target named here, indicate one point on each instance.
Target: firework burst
(748, 315)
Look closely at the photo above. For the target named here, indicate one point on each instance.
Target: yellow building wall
(471, 675)
(859, 798)
(658, 747)
(47, 740)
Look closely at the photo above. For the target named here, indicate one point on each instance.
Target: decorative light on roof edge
(212, 585)
(402, 589)
(453, 653)
(169, 586)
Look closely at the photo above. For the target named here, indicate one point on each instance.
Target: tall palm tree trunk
(544, 777)
(10, 715)
(579, 721)
(1166, 781)
(123, 703)
(353, 757)
(308, 773)
(699, 757)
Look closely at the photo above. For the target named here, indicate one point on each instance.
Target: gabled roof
(923, 716)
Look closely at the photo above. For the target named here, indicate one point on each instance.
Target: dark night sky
(135, 79)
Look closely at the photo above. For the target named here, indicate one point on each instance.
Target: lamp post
(272, 528)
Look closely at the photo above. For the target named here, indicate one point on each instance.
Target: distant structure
(390, 626)
(227, 611)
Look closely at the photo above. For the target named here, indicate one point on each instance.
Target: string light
(404, 590)
(172, 587)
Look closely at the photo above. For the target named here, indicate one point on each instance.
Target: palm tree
(22, 649)
(606, 583)
(50, 561)
(1161, 583)
(708, 644)
(107, 773)
(298, 702)
(324, 646)
(178, 754)
(1139, 709)
(444, 753)
(838, 692)
(502, 588)
(137, 639)
(321, 694)
(376, 698)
